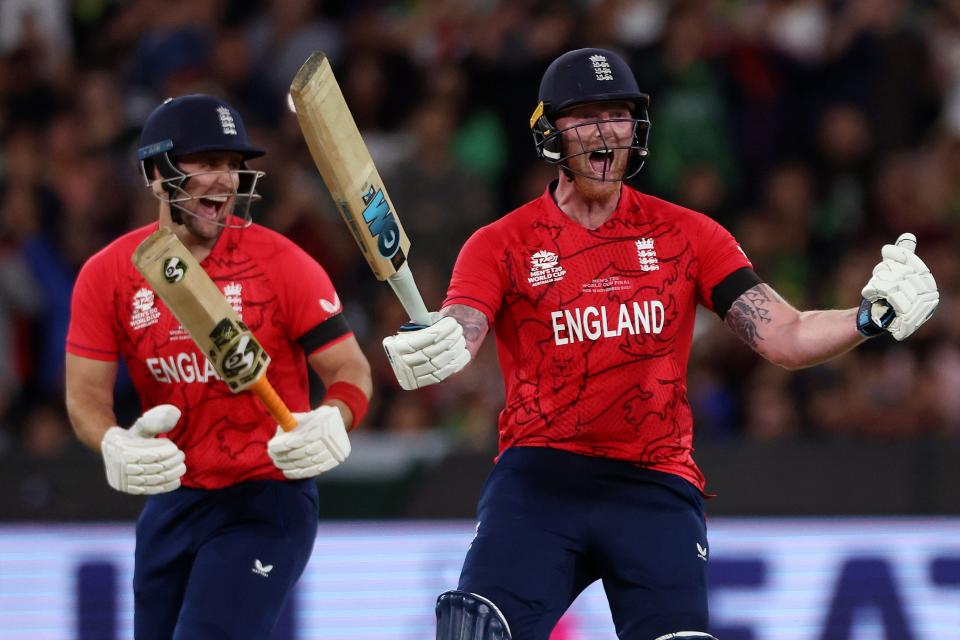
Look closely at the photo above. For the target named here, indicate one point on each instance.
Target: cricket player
(232, 511)
(592, 290)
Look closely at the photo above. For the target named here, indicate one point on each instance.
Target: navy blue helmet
(191, 124)
(585, 76)
(194, 124)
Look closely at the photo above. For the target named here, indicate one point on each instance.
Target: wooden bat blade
(347, 169)
(193, 298)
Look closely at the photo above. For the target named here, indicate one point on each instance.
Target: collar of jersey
(550, 204)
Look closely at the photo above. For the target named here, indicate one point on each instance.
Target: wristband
(352, 396)
(867, 327)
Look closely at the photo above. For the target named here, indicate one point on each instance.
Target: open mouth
(601, 161)
(211, 207)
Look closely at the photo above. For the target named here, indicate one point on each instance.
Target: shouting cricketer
(232, 511)
(591, 290)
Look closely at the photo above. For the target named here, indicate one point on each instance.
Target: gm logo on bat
(381, 222)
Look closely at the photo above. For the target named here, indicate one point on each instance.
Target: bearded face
(597, 139)
(212, 189)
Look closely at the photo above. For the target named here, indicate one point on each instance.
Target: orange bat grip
(274, 404)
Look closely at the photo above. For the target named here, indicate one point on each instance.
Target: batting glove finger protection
(427, 355)
(139, 463)
(903, 284)
(317, 444)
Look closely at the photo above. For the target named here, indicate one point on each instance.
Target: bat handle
(406, 290)
(268, 395)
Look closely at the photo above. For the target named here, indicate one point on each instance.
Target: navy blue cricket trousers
(552, 522)
(219, 564)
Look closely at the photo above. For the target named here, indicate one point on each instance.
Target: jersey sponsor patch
(545, 268)
(595, 323)
(144, 312)
(331, 306)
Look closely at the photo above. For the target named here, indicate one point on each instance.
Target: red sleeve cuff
(91, 352)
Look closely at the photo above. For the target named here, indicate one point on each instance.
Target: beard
(598, 180)
(202, 223)
(594, 190)
(202, 228)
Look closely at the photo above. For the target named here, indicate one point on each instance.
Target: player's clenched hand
(316, 445)
(139, 463)
(426, 355)
(902, 293)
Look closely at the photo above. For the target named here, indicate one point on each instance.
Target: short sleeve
(720, 255)
(476, 280)
(313, 309)
(92, 331)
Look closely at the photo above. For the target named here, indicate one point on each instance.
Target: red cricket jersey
(594, 328)
(283, 296)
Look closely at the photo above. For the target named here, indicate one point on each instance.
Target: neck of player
(587, 202)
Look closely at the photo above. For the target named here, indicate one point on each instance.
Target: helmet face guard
(190, 125)
(548, 141)
(588, 76)
(173, 185)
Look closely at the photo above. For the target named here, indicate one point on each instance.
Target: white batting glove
(902, 285)
(427, 355)
(317, 444)
(139, 463)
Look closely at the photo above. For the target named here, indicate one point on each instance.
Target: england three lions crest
(647, 255)
(233, 292)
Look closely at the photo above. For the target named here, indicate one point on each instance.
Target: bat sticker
(380, 220)
(174, 269)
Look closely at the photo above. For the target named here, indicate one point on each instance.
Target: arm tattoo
(474, 324)
(750, 311)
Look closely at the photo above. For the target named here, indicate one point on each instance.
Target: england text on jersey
(594, 323)
(182, 367)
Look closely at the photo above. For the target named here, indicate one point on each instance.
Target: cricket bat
(351, 177)
(176, 276)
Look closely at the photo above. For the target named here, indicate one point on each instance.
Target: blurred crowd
(815, 130)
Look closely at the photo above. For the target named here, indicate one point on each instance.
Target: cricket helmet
(584, 76)
(191, 124)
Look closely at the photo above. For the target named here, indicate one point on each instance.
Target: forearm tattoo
(474, 324)
(752, 310)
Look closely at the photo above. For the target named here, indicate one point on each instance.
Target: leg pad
(466, 616)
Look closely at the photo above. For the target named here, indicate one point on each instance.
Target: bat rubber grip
(405, 287)
(268, 395)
